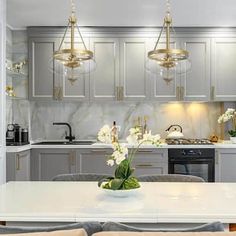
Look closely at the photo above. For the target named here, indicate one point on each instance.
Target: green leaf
(107, 179)
(123, 170)
(116, 184)
(232, 133)
(131, 183)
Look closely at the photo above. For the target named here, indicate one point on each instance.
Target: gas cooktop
(183, 141)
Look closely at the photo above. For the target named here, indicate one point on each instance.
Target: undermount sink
(82, 142)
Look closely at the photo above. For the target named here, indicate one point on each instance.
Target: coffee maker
(16, 136)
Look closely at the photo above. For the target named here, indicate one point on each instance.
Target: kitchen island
(156, 203)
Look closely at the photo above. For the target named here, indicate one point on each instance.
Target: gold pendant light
(75, 61)
(167, 62)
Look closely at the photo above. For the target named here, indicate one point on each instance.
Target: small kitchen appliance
(175, 132)
(16, 136)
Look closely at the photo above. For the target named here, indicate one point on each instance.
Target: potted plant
(122, 157)
(229, 115)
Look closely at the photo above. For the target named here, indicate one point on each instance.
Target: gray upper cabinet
(223, 69)
(195, 84)
(161, 89)
(78, 90)
(43, 83)
(134, 80)
(104, 81)
(121, 75)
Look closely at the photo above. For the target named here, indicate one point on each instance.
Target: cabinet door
(225, 165)
(134, 81)
(78, 90)
(94, 161)
(43, 82)
(223, 69)
(195, 84)
(104, 81)
(18, 166)
(162, 90)
(150, 162)
(48, 163)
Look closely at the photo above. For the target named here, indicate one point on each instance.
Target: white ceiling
(22, 13)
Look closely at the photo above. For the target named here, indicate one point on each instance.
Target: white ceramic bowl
(120, 193)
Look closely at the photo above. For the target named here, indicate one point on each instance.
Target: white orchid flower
(104, 134)
(132, 139)
(110, 162)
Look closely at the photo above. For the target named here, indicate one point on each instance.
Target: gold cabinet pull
(17, 161)
(57, 93)
(212, 92)
(145, 151)
(178, 93)
(121, 92)
(143, 165)
(72, 158)
(118, 93)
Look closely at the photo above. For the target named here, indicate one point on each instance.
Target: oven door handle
(191, 160)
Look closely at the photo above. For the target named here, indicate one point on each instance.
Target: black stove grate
(183, 141)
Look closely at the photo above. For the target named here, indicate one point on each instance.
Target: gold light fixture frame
(72, 57)
(167, 57)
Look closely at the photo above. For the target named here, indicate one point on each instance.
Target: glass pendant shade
(75, 73)
(167, 62)
(72, 61)
(168, 71)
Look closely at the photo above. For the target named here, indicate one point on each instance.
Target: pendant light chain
(73, 9)
(76, 60)
(168, 6)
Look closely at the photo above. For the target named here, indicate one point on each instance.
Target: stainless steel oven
(188, 161)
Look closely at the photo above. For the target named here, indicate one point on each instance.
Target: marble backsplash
(199, 120)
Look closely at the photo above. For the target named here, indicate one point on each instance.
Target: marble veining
(199, 120)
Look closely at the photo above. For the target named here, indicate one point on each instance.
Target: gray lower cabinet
(18, 166)
(146, 161)
(151, 162)
(94, 161)
(225, 163)
(47, 163)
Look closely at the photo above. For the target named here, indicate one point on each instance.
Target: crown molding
(15, 29)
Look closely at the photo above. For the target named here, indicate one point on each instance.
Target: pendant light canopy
(75, 60)
(167, 62)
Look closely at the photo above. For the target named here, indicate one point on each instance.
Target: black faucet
(70, 137)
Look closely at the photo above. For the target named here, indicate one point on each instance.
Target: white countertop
(84, 201)
(14, 149)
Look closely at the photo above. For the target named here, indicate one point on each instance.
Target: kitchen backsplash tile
(198, 120)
